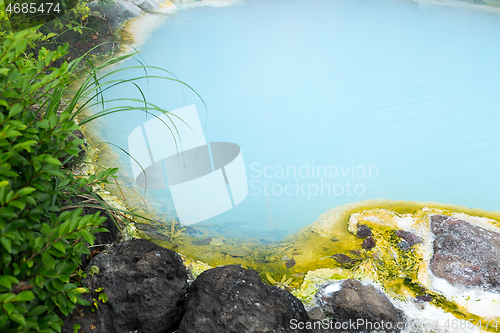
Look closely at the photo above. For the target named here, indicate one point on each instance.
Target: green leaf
(7, 258)
(15, 109)
(51, 160)
(88, 237)
(39, 309)
(3, 319)
(5, 298)
(83, 302)
(7, 244)
(8, 307)
(25, 191)
(103, 297)
(25, 296)
(64, 278)
(48, 260)
(64, 228)
(39, 280)
(18, 204)
(57, 284)
(60, 246)
(4, 183)
(18, 318)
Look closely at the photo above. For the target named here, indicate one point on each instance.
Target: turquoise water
(405, 94)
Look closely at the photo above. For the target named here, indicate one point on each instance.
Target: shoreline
(138, 31)
(463, 4)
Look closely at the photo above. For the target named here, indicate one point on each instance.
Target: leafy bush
(40, 245)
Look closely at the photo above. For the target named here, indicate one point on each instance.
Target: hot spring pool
(331, 102)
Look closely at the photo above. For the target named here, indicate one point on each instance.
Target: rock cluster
(148, 290)
(120, 11)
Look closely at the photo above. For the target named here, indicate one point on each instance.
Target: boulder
(232, 299)
(144, 284)
(354, 307)
(465, 254)
(116, 12)
(147, 5)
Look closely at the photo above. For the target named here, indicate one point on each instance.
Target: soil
(97, 38)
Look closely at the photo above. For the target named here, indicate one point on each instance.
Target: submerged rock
(465, 254)
(144, 284)
(363, 231)
(408, 237)
(352, 302)
(233, 299)
(369, 243)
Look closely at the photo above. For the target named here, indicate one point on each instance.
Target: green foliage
(41, 243)
(42, 240)
(93, 270)
(103, 297)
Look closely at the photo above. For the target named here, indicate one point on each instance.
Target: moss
(402, 274)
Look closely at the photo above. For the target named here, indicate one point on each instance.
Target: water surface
(334, 102)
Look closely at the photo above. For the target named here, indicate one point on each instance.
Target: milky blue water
(405, 94)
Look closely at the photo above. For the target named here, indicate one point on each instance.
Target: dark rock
(465, 254)
(203, 241)
(290, 263)
(369, 243)
(364, 231)
(408, 237)
(145, 284)
(423, 299)
(356, 303)
(404, 245)
(116, 12)
(232, 299)
(342, 258)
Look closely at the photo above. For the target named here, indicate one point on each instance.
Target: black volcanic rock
(232, 299)
(145, 285)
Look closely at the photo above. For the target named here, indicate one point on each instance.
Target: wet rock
(233, 299)
(350, 302)
(423, 299)
(465, 254)
(408, 237)
(144, 283)
(343, 259)
(369, 243)
(404, 245)
(147, 5)
(363, 231)
(116, 12)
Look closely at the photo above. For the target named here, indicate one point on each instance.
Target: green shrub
(40, 245)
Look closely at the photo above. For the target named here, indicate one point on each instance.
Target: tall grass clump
(42, 238)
